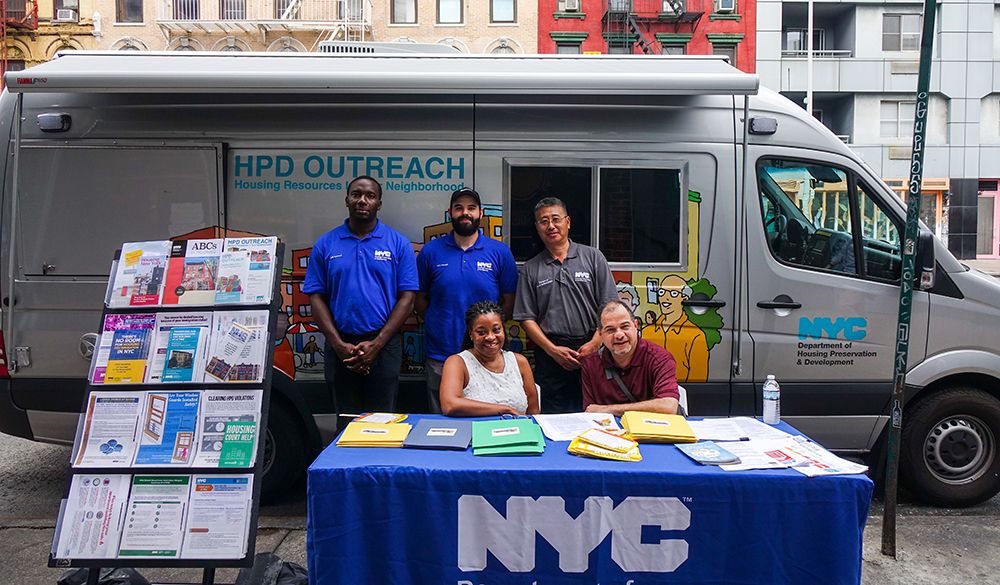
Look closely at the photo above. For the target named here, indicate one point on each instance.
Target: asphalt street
(934, 546)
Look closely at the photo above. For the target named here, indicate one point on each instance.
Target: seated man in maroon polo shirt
(627, 373)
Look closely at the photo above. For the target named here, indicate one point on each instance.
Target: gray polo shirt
(564, 297)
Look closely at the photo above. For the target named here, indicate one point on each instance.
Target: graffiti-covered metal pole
(906, 281)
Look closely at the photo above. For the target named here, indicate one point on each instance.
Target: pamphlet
(218, 518)
(139, 275)
(219, 409)
(238, 347)
(566, 427)
(123, 349)
(179, 347)
(708, 453)
(233, 268)
(108, 427)
(91, 521)
(168, 426)
(192, 272)
(154, 517)
(257, 272)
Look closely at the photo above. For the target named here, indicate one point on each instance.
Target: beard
(463, 229)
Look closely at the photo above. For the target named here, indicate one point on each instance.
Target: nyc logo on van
(852, 328)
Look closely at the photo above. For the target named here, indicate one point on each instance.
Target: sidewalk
(991, 267)
(931, 550)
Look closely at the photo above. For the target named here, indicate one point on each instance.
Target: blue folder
(440, 434)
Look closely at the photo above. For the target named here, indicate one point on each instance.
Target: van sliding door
(76, 206)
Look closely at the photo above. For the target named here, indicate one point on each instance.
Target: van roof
(191, 72)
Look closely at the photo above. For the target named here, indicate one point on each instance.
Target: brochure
(123, 349)
(179, 347)
(234, 266)
(168, 423)
(192, 272)
(584, 449)
(220, 409)
(154, 517)
(91, 519)
(108, 427)
(258, 273)
(238, 347)
(566, 427)
(708, 453)
(138, 275)
(218, 518)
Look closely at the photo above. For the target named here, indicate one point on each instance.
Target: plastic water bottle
(772, 401)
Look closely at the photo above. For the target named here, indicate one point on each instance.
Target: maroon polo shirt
(651, 374)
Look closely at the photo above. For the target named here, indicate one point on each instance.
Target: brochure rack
(209, 565)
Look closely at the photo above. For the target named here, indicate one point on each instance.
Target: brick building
(702, 27)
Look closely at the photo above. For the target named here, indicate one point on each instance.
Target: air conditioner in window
(66, 14)
(572, 5)
(725, 6)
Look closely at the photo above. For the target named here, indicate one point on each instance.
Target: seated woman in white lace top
(485, 380)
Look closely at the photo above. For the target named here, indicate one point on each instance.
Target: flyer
(187, 325)
(258, 285)
(234, 265)
(168, 425)
(138, 274)
(108, 427)
(92, 517)
(238, 347)
(219, 409)
(154, 517)
(218, 519)
(121, 353)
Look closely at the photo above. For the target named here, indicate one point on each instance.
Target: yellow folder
(359, 434)
(652, 427)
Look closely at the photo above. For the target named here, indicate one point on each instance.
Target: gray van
(748, 239)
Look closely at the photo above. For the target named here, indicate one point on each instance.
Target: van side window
(640, 215)
(529, 185)
(881, 238)
(811, 212)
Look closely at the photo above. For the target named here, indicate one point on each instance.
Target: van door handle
(780, 302)
(706, 304)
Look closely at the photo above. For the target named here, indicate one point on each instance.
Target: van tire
(284, 452)
(948, 454)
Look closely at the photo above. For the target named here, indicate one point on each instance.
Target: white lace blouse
(506, 388)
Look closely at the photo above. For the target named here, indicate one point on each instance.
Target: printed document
(218, 520)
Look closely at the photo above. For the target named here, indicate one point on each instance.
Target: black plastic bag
(269, 569)
(107, 577)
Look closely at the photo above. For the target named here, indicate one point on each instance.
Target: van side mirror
(925, 261)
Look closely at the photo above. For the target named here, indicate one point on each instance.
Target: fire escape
(17, 14)
(630, 22)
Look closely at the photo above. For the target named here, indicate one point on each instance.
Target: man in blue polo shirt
(361, 282)
(457, 270)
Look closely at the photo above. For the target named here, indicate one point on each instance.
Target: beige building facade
(59, 25)
(470, 26)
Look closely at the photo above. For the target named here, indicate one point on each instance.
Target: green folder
(507, 437)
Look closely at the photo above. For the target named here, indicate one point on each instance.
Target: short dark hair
(613, 305)
(478, 310)
(372, 179)
(550, 202)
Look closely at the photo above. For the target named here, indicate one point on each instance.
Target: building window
(449, 12)
(288, 288)
(896, 119)
(568, 48)
(305, 310)
(404, 11)
(287, 10)
(186, 10)
(901, 32)
(303, 261)
(795, 41)
(16, 65)
(233, 9)
(503, 11)
(66, 10)
(129, 11)
(727, 49)
(674, 49)
(620, 49)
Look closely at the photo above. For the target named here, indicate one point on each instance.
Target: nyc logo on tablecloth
(482, 528)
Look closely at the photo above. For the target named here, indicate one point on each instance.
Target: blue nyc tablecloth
(379, 515)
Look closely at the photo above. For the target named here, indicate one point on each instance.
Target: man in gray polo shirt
(559, 296)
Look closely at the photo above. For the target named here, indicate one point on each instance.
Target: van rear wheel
(948, 454)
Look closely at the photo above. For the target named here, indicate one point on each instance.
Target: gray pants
(433, 368)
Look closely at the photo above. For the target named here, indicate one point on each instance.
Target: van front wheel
(948, 454)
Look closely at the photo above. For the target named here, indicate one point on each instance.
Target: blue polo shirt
(361, 277)
(455, 279)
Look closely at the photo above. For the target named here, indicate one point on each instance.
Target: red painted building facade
(693, 27)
